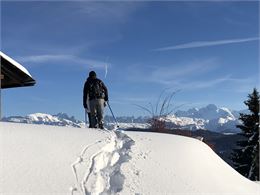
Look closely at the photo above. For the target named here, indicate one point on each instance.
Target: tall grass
(163, 107)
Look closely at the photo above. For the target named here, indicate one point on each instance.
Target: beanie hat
(92, 74)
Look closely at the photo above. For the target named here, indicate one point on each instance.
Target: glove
(105, 104)
(106, 99)
(85, 106)
(87, 110)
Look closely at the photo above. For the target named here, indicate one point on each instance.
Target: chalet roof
(14, 74)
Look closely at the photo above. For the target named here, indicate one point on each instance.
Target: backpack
(96, 89)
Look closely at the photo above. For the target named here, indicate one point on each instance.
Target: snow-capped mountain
(222, 125)
(61, 119)
(208, 113)
(209, 118)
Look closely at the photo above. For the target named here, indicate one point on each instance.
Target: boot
(101, 126)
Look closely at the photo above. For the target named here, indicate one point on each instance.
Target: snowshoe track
(103, 175)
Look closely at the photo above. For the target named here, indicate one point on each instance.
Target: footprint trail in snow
(103, 174)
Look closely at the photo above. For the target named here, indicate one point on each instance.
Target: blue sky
(207, 50)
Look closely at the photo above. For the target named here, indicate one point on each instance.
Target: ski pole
(85, 118)
(112, 114)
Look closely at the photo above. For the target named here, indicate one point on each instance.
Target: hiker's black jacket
(87, 87)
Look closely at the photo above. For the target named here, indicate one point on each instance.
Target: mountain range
(210, 118)
(60, 119)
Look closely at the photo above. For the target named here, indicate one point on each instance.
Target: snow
(223, 109)
(40, 159)
(185, 122)
(43, 117)
(60, 119)
(130, 125)
(37, 158)
(209, 112)
(19, 66)
(219, 124)
(181, 165)
(223, 121)
(210, 117)
(207, 118)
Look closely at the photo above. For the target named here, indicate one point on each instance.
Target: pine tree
(246, 156)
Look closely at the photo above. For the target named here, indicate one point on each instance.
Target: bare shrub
(157, 125)
(160, 110)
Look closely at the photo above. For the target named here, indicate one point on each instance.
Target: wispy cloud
(203, 84)
(187, 69)
(206, 44)
(190, 76)
(168, 74)
(65, 59)
(108, 12)
(227, 82)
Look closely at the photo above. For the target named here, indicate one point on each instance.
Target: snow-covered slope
(163, 164)
(36, 159)
(40, 159)
(129, 125)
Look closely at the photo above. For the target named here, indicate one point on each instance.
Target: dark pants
(89, 120)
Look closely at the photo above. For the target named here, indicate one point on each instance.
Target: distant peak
(62, 114)
(38, 114)
(212, 107)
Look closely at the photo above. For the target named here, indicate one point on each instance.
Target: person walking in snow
(95, 96)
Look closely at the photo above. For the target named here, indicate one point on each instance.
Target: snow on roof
(15, 63)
